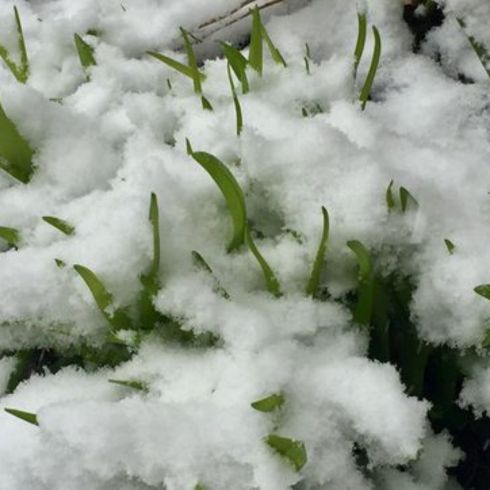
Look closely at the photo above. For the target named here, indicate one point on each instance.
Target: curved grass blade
(390, 198)
(275, 53)
(176, 65)
(85, 52)
(191, 59)
(238, 63)
(271, 282)
(133, 384)
(201, 263)
(10, 235)
(256, 50)
(270, 403)
(15, 152)
(231, 191)
(31, 418)
(60, 225)
(406, 198)
(117, 319)
(361, 41)
(238, 108)
(368, 84)
(365, 295)
(293, 451)
(314, 281)
(483, 290)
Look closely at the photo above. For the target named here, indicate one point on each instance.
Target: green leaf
(450, 246)
(117, 319)
(201, 264)
(406, 198)
(21, 72)
(479, 49)
(206, 105)
(31, 418)
(363, 258)
(15, 152)
(270, 403)
(293, 451)
(10, 235)
(24, 366)
(133, 384)
(361, 41)
(483, 290)
(368, 84)
(60, 225)
(275, 53)
(238, 63)
(256, 51)
(390, 198)
(60, 263)
(191, 59)
(176, 65)
(238, 108)
(271, 282)
(231, 191)
(314, 281)
(85, 52)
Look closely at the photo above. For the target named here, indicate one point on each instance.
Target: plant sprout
(293, 451)
(314, 280)
(270, 403)
(368, 84)
(31, 418)
(60, 225)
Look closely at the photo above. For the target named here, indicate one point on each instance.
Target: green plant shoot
(293, 451)
(20, 72)
(28, 417)
(314, 280)
(368, 84)
(60, 225)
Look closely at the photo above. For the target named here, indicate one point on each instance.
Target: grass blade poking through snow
(390, 198)
(133, 384)
(235, 200)
(450, 246)
(361, 41)
(60, 225)
(31, 418)
(293, 451)
(406, 198)
(238, 63)
(118, 319)
(314, 281)
(10, 235)
(483, 290)
(256, 49)
(15, 152)
(364, 307)
(20, 72)
(368, 84)
(150, 281)
(479, 49)
(85, 53)
(275, 53)
(231, 191)
(270, 403)
(238, 108)
(204, 266)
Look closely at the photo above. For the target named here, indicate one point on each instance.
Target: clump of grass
(270, 403)
(235, 201)
(21, 71)
(293, 451)
(368, 83)
(16, 153)
(60, 225)
(406, 199)
(10, 235)
(28, 417)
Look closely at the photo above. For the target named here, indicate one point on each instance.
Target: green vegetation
(270, 403)
(368, 84)
(30, 418)
(85, 53)
(60, 225)
(293, 451)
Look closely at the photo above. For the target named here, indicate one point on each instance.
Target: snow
(116, 138)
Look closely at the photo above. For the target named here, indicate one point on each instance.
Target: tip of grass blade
(31, 418)
(293, 451)
(270, 403)
(59, 224)
(483, 290)
(368, 84)
(314, 280)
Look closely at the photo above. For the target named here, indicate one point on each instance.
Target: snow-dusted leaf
(10, 235)
(293, 451)
(85, 52)
(20, 72)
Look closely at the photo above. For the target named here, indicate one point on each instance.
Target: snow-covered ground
(121, 135)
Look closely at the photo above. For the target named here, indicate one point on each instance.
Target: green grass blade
(256, 49)
(117, 319)
(31, 418)
(206, 105)
(361, 41)
(450, 246)
(60, 225)
(314, 281)
(483, 290)
(275, 53)
(390, 198)
(176, 65)
(133, 384)
(271, 282)
(363, 258)
(15, 152)
(24, 60)
(479, 49)
(61, 264)
(191, 59)
(238, 63)
(201, 264)
(231, 191)
(10, 235)
(85, 52)
(270, 403)
(238, 108)
(406, 198)
(154, 217)
(293, 451)
(368, 84)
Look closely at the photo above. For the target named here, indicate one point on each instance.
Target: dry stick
(237, 19)
(217, 19)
